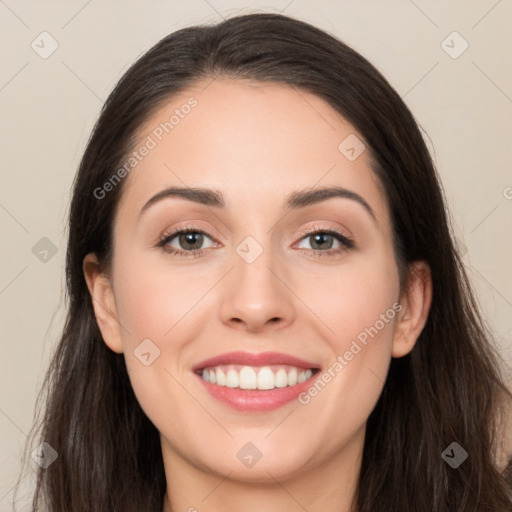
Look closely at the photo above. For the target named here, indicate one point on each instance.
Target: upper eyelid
(316, 228)
(171, 233)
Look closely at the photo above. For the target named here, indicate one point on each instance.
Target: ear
(415, 300)
(103, 301)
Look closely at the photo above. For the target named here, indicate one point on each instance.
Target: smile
(265, 388)
(254, 377)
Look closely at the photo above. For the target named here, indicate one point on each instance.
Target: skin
(255, 143)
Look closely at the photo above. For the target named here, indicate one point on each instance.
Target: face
(259, 271)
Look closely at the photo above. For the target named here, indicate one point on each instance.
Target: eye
(186, 241)
(321, 241)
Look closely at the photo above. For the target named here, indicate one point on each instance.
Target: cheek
(152, 304)
(151, 300)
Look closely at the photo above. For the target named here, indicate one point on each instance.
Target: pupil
(191, 238)
(321, 237)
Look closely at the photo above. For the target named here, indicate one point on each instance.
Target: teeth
(263, 378)
(281, 379)
(292, 377)
(232, 379)
(247, 378)
(221, 378)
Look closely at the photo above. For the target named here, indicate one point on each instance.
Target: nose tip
(257, 298)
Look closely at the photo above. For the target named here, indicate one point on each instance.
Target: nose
(257, 296)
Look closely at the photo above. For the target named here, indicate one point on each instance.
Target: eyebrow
(295, 200)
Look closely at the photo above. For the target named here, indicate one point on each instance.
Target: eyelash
(346, 242)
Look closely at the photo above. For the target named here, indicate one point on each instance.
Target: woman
(317, 346)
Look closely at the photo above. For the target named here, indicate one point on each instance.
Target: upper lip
(252, 359)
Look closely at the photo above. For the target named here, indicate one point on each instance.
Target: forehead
(256, 142)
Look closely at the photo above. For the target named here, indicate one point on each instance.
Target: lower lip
(254, 399)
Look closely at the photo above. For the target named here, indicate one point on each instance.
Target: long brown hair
(450, 388)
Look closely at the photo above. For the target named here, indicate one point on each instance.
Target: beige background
(49, 106)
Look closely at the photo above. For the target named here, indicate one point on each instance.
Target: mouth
(263, 378)
(255, 382)
(263, 383)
